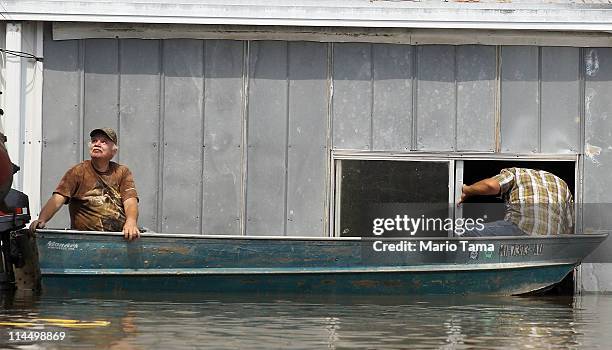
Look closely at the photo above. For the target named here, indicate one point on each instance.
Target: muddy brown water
(148, 320)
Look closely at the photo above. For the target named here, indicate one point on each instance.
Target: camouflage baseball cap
(109, 132)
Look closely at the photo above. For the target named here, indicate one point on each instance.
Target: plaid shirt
(538, 202)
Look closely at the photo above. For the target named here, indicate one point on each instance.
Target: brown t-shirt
(96, 199)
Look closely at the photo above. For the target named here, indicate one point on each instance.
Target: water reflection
(184, 321)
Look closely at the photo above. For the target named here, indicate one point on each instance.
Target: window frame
(455, 175)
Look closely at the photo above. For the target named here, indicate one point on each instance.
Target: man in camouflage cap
(100, 193)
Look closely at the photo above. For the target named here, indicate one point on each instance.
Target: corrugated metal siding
(540, 99)
(267, 138)
(182, 134)
(436, 98)
(100, 93)
(223, 129)
(62, 107)
(378, 89)
(184, 118)
(598, 125)
(307, 139)
(352, 99)
(598, 162)
(139, 123)
(561, 95)
(392, 110)
(476, 70)
(520, 99)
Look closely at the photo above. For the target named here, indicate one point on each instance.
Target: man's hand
(486, 187)
(36, 224)
(130, 230)
(48, 210)
(464, 195)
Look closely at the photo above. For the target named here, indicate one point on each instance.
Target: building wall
(232, 137)
(194, 117)
(596, 273)
(21, 85)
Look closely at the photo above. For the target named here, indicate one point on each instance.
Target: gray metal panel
(392, 110)
(352, 96)
(476, 98)
(101, 97)
(307, 152)
(519, 99)
(598, 155)
(139, 122)
(560, 100)
(435, 98)
(223, 124)
(182, 171)
(598, 123)
(60, 122)
(267, 138)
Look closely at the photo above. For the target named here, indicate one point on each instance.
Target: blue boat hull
(504, 282)
(214, 264)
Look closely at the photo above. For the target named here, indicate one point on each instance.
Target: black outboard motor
(13, 236)
(14, 215)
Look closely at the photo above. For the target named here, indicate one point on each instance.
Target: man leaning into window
(536, 203)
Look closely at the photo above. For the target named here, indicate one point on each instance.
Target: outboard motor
(14, 215)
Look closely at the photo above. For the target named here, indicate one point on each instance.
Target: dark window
(383, 188)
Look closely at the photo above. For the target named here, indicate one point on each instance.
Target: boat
(96, 261)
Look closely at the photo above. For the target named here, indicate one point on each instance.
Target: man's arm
(130, 229)
(486, 187)
(51, 207)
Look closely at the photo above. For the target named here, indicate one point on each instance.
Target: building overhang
(554, 15)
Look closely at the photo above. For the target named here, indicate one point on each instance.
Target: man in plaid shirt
(537, 203)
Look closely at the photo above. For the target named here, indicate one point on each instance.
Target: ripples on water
(294, 322)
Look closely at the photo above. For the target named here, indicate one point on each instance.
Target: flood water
(183, 321)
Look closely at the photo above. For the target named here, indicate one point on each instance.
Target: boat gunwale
(289, 270)
(597, 234)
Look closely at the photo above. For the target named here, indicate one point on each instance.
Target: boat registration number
(520, 249)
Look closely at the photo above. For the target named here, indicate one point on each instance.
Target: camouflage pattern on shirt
(96, 199)
(538, 202)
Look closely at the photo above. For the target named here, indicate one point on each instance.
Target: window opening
(383, 189)
(493, 207)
